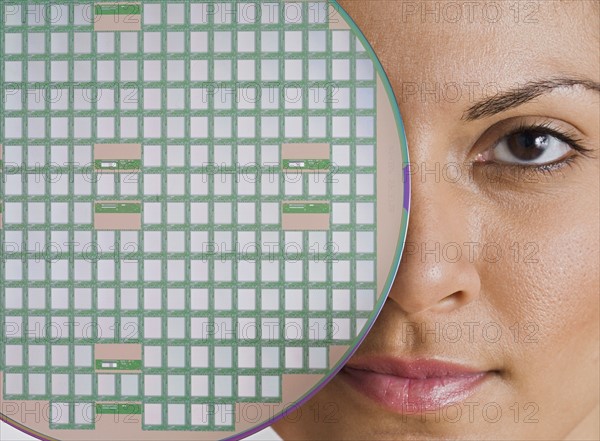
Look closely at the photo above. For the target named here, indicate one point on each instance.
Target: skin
(550, 290)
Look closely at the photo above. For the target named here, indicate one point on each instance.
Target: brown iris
(528, 145)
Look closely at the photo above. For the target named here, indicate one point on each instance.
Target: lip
(413, 387)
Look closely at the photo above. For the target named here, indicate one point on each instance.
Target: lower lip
(413, 396)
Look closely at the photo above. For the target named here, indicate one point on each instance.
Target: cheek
(548, 272)
(546, 290)
(547, 279)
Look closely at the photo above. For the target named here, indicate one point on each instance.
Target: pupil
(528, 145)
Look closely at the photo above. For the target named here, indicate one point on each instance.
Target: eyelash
(546, 169)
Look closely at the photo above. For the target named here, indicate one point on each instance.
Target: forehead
(500, 42)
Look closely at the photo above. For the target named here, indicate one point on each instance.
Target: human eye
(537, 147)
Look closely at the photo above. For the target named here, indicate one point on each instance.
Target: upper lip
(417, 369)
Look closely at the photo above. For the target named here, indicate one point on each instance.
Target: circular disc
(203, 207)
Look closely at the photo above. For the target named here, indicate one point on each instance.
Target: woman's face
(500, 269)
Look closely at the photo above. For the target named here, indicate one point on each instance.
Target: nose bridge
(438, 217)
(436, 267)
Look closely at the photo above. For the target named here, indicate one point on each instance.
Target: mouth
(413, 387)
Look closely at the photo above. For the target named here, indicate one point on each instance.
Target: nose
(437, 272)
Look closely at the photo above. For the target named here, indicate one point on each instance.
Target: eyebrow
(521, 94)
